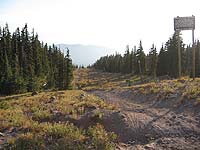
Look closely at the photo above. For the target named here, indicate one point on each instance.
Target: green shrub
(42, 115)
(4, 105)
(100, 139)
(26, 141)
(57, 130)
(192, 93)
(68, 144)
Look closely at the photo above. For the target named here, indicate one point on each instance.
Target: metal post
(179, 54)
(193, 56)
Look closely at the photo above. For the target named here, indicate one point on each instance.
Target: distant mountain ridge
(85, 54)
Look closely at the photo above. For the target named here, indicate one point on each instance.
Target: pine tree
(27, 65)
(153, 61)
(36, 51)
(45, 62)
(162, 67)
(69, 74)
(7, 68)
(141, 59)
(197, 59)
(7, 36)
(127, 61)
(50, 77)
(15, 59)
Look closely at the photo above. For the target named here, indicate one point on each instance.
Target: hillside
(161, 115)
(52, 120)
(105, 111)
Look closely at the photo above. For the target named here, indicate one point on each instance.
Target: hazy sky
(110, 23)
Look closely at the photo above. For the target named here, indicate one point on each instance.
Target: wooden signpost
(185, 23)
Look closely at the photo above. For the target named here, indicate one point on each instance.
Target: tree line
(27, 64)
(165, 62)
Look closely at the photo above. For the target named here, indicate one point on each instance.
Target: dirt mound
(146, 122)
(130, 127)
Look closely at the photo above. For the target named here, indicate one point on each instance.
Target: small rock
(123, 144)
(177, 123)
(91, 108)
(57, 113)
(173, 95)
(34, 93)
(123, 115)
(60, 92)
(82, 96)
(131, 142)
(12, 129)
(140, 110)
(159, 141)
(149, 146)
(1, 134)
(173, 117)
(181, 80)
(52, 99)
(167, 121)
(181, 117)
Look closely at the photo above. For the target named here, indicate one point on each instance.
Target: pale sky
(109, 23)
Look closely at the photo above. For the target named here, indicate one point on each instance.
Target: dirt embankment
(156, 115)
(145, 122)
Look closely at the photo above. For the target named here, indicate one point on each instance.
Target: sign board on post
(184, 23)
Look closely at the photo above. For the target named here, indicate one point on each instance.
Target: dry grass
(183, 87)
(36, 122)
(88, 79)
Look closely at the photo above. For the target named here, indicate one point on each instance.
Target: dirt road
(145, 123)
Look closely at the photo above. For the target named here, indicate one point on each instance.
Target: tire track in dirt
(161, 126)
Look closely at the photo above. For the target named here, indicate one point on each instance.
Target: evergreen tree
(141, 59)
(197, 59)
(127, 61)
(172, 55)
(153, 61)
(165, 63)
(27, 65)
(162, 68)
(135, 61)
(69, 74)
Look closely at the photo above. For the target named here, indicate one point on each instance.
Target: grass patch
(37, 122)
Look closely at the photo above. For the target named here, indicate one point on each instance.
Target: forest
(164, 62)
(103, 111)
(27, 64)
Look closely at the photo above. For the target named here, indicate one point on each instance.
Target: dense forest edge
(164, 63)
(27, 64)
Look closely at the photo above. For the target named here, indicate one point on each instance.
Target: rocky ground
(155, 116)
(151, 124)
